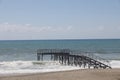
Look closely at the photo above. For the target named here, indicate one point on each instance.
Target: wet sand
(88, 74)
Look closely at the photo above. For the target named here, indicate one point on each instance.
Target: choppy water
(18, 56)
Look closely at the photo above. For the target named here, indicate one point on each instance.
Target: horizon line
(59, 39)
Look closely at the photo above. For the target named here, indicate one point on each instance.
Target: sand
(91, 74)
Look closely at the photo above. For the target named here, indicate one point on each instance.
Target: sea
(20, 56)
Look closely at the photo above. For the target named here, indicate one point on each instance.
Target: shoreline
(23, 74)
(82, 74)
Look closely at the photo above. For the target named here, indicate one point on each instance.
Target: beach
(83, 74)
(59, 39)
(18, 60)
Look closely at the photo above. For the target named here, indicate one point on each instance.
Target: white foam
(115, 63)
(19, 67)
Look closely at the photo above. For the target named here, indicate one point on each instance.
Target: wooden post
(38, 57)
(68, 60)
(62, 59)
(42, 57)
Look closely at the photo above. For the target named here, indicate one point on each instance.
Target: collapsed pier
(69, 57)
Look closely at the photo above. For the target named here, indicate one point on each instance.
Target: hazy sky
(59, 19)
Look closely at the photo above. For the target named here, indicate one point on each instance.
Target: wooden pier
(67, 57)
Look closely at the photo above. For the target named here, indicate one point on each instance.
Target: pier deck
(68, 57)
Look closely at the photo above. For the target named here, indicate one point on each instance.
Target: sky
(59, 19)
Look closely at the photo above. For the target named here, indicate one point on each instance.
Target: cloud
(27, 24)
(101, 28)
(27, 31)
(6, 27)
(69, 28)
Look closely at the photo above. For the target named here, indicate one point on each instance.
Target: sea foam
(17, 67)
(115, 63)
(20, 67)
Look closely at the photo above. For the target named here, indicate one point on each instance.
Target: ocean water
(19, 56)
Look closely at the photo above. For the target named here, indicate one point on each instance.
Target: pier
(69, 57)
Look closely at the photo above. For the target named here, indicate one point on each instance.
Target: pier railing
(53, 51)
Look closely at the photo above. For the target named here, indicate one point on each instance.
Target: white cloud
(5, 27)
(69, 28)
(101, 28)
(28, 31)
(15, 31)
(28, 24)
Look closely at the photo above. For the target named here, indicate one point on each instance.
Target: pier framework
(68, 57)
